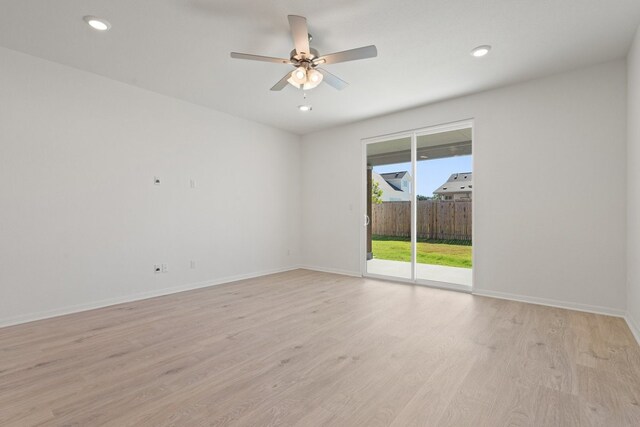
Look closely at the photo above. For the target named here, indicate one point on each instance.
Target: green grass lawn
(452, 255)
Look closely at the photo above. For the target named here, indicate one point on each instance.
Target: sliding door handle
(366, 220)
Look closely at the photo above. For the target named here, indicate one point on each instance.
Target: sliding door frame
(363, 230)
(414, 134)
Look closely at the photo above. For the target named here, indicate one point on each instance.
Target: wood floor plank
(308, 348)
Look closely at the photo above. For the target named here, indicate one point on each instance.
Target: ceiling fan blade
(299, 33)
(348, 55)
(282, 83)
(260, 58)
(333, 80)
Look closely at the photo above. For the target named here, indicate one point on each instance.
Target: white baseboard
(331, 270)
(31, 317)
(633, 325)
(493, 294)
(552, 303)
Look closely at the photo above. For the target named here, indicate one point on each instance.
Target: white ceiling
(181, 48)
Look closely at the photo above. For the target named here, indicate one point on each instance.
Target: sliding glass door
(390, 198)
(418, 202)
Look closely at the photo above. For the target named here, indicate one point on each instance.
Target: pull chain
(305, 106)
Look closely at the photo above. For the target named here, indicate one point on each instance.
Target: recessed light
(97, 23)
(304, 107)
(481, 51)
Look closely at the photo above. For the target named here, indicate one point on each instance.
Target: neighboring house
(459, 186)
(395, 186)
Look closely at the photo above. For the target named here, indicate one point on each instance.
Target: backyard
(447, 253)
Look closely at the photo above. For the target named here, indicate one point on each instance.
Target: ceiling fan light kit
(299, 75)
(314, 76)
(307, 75)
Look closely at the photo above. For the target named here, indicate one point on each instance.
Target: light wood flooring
(307, 348)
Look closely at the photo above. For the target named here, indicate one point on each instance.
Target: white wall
(633, 186)
(556, 146)
(81, 223)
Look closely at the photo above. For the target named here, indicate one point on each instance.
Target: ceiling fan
(306, 60)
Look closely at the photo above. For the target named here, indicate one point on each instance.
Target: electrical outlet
(157, 268)
(192, 183)
(192, 265)
(165, 268)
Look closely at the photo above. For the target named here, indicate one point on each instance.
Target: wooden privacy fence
(442, 220)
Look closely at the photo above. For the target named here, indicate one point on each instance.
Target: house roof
(395, 187)
(385, 185)
(461, 182)
(393, 175)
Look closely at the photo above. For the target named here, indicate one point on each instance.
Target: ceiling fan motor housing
(305, 59)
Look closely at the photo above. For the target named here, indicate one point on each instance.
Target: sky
(431, 174)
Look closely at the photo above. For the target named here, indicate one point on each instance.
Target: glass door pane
(389, 202)
(444, 181)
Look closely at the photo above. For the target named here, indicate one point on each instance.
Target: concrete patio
(437, 273)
